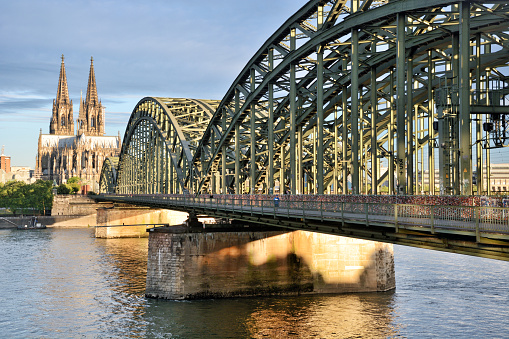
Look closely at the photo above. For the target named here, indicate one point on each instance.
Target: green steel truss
(108, 179)
(158, 146)
(345, 97)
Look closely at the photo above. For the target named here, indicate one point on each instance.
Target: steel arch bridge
(345, 97)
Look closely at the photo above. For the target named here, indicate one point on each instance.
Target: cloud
(154, 48)
(19, 103)
(160, 47)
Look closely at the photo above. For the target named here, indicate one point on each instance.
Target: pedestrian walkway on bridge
(478, 230)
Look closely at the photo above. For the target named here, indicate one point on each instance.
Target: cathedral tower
(91, 115)
(61, 154)
(62, 121)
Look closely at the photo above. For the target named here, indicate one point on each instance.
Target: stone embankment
(52, 221)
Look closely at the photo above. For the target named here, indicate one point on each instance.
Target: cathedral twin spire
(62, 121)
(91, 115)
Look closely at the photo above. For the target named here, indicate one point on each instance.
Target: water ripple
(62, 283)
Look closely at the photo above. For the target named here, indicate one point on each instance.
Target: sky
(182, 49)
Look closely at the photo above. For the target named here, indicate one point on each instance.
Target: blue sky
(170, 48)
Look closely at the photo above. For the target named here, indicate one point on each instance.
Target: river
(64, 283)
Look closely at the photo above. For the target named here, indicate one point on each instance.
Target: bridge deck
(477, 230)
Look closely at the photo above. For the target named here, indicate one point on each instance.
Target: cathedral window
(63, 121)
(92, 121)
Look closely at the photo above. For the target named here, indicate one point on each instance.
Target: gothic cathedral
(61, 154)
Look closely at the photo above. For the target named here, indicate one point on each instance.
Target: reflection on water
(61, 283)
(346, 316)
(340, 316)
(129, 259)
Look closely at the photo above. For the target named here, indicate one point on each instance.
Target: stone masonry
(216, 264)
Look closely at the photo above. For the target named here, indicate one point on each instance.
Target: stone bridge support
(208, 263)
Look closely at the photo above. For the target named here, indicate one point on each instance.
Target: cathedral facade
(62, 153)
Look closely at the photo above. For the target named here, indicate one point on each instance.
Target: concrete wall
(53, 221)
(133, 216)
(82, 211)
(69, 220)
(183, 265)
(75, 205)
(74, 211)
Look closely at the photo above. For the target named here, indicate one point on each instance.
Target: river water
(64, 283)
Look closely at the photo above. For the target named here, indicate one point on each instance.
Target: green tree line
(23, 198)
(72, 186)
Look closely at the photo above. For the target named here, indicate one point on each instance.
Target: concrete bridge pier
(190, 263)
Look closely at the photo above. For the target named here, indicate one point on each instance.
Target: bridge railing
(476, 219)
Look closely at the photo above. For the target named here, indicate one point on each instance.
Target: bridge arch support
(158, 145)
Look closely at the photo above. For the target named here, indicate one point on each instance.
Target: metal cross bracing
(345, 97)
(108, 179)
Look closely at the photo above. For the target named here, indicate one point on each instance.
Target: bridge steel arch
(108, 179)
(160, 139)
(344, 87)
(340, 92)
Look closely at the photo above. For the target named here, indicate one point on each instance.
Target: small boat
(33, 223)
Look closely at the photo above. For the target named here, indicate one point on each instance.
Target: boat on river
(33, 223)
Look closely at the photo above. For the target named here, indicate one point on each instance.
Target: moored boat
(33, 223)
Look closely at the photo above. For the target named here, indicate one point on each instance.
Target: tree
(42, 197)
(18, 196)
(12, 195)
(64, 189)
(74, 180)
(75, 188)
(75, 184)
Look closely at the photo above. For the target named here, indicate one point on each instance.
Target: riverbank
(50, 221)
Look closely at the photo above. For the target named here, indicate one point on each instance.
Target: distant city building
(22, 173)
(17, 173)
(8, 172)
(3, 176)
(5, 162)
(61, 154)
(498, 179)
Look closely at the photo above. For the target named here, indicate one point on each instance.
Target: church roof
(98, 141)
(53, 140)
(70, 141)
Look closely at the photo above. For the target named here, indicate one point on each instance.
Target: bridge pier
(186, 263)
(132, 216)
